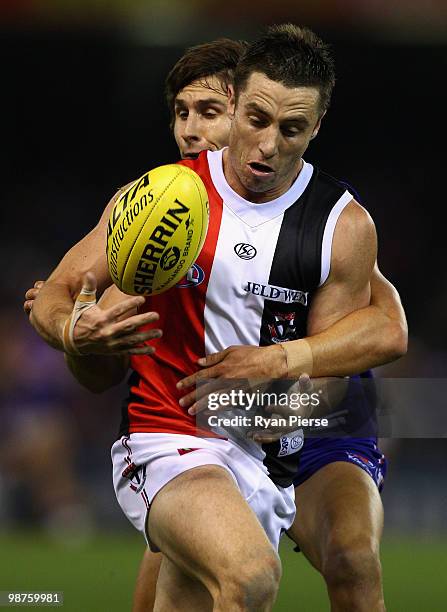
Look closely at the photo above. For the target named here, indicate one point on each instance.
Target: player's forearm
(51, 309)
(364, 339)
(97, 373)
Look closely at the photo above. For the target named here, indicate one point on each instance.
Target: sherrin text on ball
(157, 229)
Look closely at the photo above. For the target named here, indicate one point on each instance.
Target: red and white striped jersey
(252, 284)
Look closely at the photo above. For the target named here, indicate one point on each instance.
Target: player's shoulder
(355, 222)
(354, 241)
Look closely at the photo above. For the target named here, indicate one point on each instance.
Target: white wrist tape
(299, 357)
(85, 300)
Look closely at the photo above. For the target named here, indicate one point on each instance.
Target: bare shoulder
(356, 223)
(355, 240)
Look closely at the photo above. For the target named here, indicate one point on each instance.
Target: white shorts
(143, 463)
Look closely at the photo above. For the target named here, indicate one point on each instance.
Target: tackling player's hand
(235, 362)
(304, 385)
(31, 295)
(318, 398)
(112, 330)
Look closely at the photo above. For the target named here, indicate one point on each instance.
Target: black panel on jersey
(134, 381)
(296, 265)
(297, 259)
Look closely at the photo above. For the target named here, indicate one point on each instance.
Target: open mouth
(260, 169)
(191, 155)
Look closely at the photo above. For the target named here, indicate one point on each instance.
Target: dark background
(83, 112)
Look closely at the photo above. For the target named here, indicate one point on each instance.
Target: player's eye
(256, 121)
(182, 114)
(290, 132)
(210, 113)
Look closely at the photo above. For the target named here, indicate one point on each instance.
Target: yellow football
(157, 229)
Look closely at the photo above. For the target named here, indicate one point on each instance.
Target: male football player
(197, 92)
(261, 180)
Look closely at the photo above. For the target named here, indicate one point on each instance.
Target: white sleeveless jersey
(252, 284)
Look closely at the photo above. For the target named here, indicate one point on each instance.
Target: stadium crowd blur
(83, 113)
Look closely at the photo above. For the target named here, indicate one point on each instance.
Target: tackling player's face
(270, 132)
(201, 117)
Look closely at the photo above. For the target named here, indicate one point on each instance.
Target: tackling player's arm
(98, 331)
(101, 372)
(363, 339)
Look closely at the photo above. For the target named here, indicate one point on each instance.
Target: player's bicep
(385, 296)
(353, 255)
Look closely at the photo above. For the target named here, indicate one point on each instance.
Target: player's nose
(268, 145)
(191, 129)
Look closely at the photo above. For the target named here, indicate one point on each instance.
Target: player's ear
(231, 101)
(317, 126)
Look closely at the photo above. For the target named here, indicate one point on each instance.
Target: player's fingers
(27, 306)
(305, 383)
(39, 284)
(131, 324)
(197, 394)
(263, 437)
(231, 387)
(31, 294)
(212, 359)
(189, 381)
(89, 282)
(132, 340)
(125, 306)
(142, 350)
(202, 396)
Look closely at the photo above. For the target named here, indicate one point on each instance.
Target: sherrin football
(157, 229)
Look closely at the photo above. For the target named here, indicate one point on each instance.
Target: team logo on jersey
(245, 251)
(194, 277)
(277, 294)
(282, 328)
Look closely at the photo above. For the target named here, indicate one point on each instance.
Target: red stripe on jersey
(153, 405)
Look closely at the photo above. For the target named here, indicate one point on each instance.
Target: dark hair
(218, 58)
(292, 55)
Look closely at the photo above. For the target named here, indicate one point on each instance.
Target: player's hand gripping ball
(157, 229)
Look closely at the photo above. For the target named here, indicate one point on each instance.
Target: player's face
(271, 130)
(201, 117)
